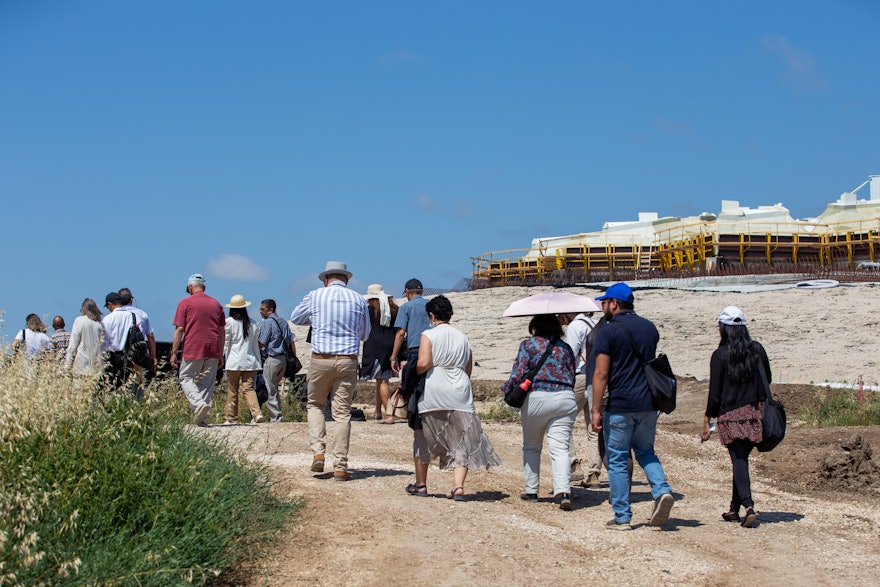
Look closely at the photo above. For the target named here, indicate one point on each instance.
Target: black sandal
(417, 490)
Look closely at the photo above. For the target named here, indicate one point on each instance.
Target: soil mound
(849, 465)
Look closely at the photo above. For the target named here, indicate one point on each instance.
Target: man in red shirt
(200, 322)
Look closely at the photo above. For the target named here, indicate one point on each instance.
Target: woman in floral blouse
(549, 408)
(736, 398)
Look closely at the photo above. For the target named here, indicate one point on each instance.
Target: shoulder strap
(631, 341)
(764, 379)
(285, 343)
(531, 374)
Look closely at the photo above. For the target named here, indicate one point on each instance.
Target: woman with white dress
(451, 429)
(86, 341)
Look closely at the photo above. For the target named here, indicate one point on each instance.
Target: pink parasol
(552, 302)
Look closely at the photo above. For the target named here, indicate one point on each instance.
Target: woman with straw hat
(376, 362)
(242, 356)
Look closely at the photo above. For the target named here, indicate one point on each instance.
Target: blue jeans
(636, 431)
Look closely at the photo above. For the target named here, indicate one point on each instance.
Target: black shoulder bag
(293, 364)
(661, 380)
(515, 397)
(774, 423)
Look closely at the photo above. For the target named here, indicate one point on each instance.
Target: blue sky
(141, 142)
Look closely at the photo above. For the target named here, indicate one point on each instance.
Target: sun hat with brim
(375, 292)
(732, 316)
(238, 301)
(620, 292)
(337, 267)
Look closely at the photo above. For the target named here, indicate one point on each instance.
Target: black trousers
(739, 451)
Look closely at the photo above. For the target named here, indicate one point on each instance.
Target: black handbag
(775, 422)
(516, 394)
(658, 372)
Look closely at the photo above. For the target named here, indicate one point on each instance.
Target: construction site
(842, 243)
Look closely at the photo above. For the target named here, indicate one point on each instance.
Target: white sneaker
(662, 507)
(200, 418)
(258, 419)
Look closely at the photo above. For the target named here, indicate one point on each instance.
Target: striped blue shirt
(340, 319)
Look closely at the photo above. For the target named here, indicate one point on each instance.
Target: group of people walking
(578, 365)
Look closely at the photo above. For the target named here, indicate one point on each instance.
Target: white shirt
(241, 354)
(35, 342)
(576, 336)
(116, 325)
(143, 319)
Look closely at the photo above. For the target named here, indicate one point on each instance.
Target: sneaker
(730, 516)
(662, 507)
(318, 464)
(200, 418)
(592, 479)
(528, 496)
(750, 518)
(341, 475)
(613, 524)
(565, 501)
(258, 419)
(230, 423)
(577, 474)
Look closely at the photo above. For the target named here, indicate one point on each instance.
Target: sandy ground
(369, 532)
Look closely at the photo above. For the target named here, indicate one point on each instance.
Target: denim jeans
(634, 431)
(553, 414)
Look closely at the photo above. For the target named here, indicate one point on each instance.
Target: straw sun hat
(238, 301)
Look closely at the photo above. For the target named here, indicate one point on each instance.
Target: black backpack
(136, 349)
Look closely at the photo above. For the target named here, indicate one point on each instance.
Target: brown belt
(326, 356)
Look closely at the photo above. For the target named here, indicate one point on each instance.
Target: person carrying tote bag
(739, 376)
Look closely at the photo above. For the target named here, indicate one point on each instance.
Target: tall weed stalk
(97, 489)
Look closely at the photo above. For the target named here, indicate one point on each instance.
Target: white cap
(732, 316)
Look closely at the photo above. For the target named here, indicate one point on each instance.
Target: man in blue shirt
(274, 338)
(630, 420)
(340, 320)
(412, 320)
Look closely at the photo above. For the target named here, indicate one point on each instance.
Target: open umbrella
(552, 302)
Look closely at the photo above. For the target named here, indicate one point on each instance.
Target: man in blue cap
(630, 420)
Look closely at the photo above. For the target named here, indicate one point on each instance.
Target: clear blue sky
(141, 142)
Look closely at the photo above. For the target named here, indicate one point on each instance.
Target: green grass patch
(842, 407)
(97, 489)
(498, 411)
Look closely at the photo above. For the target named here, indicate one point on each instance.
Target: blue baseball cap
(619, 291)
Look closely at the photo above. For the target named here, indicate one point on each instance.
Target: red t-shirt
(203, 321)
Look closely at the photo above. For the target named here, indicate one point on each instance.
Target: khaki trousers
(336, 375)
(594, 461)
(241, 380)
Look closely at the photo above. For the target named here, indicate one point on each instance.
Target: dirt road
(369, 532)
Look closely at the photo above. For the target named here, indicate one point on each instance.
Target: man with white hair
(340, 321)
(200, 323)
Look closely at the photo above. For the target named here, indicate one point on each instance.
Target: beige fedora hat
(238, 301)
(334, 267)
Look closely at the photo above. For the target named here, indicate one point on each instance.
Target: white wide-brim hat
(375, 292)
(238, 301)
(334, 267)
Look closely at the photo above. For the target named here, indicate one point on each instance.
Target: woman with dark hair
(736, 397)
(86, 341)
(550, 408)
(242, 359)
(37, 342)
(451, 429)
(376, 363)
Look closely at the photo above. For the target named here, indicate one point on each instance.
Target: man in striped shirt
(340, 320)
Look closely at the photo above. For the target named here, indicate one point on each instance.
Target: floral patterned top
(557, 372)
